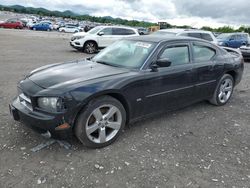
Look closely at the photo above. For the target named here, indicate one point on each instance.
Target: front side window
(107, 31)
(203, 53)
(178, 55)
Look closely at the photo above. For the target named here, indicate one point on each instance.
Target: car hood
(61, 75)
(80, 34)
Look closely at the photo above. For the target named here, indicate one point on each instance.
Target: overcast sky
(196, 13)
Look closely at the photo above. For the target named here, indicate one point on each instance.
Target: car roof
(184, 31)
(158, 39)
(117, 26)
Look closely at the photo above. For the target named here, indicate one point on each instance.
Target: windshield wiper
(105, 63)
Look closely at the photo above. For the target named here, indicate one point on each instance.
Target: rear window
(122, 31)
(206, 36)
(195, 35)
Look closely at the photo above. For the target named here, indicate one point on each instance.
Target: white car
(201, 34)
(69, 29)
(100, 37)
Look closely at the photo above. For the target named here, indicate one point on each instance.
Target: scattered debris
(127, 163)
(41, 180)
(41, 146)
(215, 180)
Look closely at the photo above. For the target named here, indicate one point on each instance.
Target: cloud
(193, 12)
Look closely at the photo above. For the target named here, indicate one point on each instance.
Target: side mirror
(101, 33)
(164, 62)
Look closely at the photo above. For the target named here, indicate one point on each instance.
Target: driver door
(170, 87)
(104, 37)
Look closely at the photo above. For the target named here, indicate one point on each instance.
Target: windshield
(224, 36)
(94, 30)
(164, 33)
(125, 53)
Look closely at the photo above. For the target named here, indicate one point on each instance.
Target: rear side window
(178, 55)
(122, 31)
(203, 53)
(206, 36)
(195, 35)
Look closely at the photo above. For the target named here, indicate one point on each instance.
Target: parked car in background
(69, 29)
(245, 51)
(143, 31)
(100, 37)
(233, 40)
(12, 24)
(30, 24)
(201, 34)
(42, 27)
(129, 80)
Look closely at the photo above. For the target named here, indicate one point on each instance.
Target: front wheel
(224, 90)
(90, 47)
(100, 122)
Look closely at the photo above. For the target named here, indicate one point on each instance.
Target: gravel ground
(199, 146)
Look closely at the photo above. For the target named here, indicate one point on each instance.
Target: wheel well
(91, 41)
(233, 74)
(124, 102)
(118, 97)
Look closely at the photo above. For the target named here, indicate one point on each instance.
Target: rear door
(208, 67)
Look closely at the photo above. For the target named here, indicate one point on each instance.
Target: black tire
(215, 100)
(90, 47)
(86, 114)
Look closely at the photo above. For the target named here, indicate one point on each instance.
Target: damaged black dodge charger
(94, 99)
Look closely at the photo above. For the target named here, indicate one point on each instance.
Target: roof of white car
(184, 30)
(125, 27)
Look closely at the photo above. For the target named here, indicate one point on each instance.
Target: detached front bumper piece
(40, 122)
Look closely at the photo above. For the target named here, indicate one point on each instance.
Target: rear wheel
(90, 47)
(224, 90)
(100, 122)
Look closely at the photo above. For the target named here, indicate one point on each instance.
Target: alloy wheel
(226, 89)
(90, 48)
(103, 124)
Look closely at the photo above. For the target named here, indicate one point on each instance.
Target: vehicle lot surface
(198, 146)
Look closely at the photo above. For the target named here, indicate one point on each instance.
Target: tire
(90, 47)
(34, 28)
(48, 29)
(63, 31)
(100, 134)
(223, 91)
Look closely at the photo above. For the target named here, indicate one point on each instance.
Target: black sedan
(94, 99)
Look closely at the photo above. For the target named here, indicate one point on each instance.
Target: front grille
(25, 100)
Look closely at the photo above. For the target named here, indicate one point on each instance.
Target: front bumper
(38, 121)
(76, 45)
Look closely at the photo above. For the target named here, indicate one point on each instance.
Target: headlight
(77, 37)
(50, 104)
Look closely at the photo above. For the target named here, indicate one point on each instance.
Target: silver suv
(201, 34)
